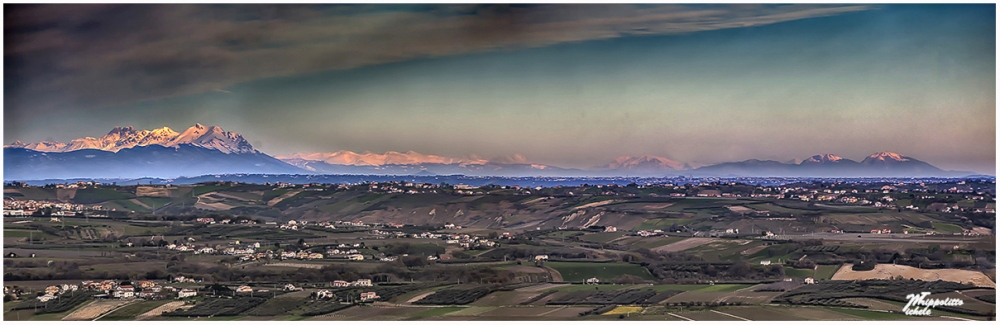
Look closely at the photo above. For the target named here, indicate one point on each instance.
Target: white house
(363, 283)
(593, 281)
(810, 280)
(323, 294)
(765, 262)
(124, 292)
(184, 293)
(365, 296)
(541, 257)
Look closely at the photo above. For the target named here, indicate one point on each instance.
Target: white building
(184, 293)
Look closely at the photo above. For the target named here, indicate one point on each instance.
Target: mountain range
(126, 152)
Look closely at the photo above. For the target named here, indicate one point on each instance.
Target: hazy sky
(566, 85)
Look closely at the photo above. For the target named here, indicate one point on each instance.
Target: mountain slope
(143, 161)
(882, 164)
(345, 157)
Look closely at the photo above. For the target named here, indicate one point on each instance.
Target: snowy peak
(887, 156)
(367, 158)
(212, 137)
(123, 137)
(645, 162)
(46, 146)
(824, 158)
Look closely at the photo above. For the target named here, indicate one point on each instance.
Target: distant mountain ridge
(880, 164)
(137, 162)
(163, 152)
(410, 163)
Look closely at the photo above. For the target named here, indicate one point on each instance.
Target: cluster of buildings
(364, 296)
(226, 221)
(402, 187)
(143, 289)
(15, 207)
(464, 240)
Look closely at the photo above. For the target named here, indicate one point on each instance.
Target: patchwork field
(95, 309)
(383, 313)
(581, 271)
(535, 312)
(505, 298)
(168, 307)
(684, 245)
(888, 271)
(132, 311)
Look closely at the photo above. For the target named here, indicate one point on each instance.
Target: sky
(566, 85)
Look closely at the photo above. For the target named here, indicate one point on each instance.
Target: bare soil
(888, 271)
(684, 245)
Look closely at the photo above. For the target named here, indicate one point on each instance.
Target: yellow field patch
(622, 310)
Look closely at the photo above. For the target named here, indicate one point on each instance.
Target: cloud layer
(80, 56)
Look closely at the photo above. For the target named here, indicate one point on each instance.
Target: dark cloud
(78, 56)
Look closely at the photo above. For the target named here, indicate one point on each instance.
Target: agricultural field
(826, 272)
(453, 296)
(946, 228)
(663, 223)
(603, 237)
(798, 273)
(581, 271)
(665, 278)
(95, 309)
(133, 310)
(685, 244)
(650, 242)
(623, 310)
(888, 271)
(506, 298)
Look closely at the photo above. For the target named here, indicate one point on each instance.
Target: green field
(129, 205)
(155, 202)
(97, 195)
(603, 237)
(25, 234)
(663, 223)
(656, 242)
(131, 311)
(700, 287)
(440, 311)
(581, 271)
(946, 227)
(798, 273)
(825, 272)
(208, 188)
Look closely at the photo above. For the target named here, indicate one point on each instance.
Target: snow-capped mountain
(47, 146)
(825, 158)
(645, 162)
(208, 137)
(885, 156)
(137, 162)
(881, 164)
(366, 158)
(127, 152)
(413, 163)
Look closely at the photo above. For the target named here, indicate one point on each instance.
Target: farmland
(885, 271)
(581, 271)
(504, 255)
